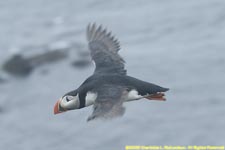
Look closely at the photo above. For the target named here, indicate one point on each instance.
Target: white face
(70, 102)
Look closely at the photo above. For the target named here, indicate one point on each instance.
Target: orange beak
(56, 108)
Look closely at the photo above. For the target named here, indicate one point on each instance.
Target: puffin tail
(159, 95)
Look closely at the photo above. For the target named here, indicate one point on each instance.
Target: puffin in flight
(109, 86)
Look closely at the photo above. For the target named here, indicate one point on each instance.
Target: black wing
(109, 102)
(104, 51)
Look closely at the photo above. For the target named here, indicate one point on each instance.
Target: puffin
(109, 86)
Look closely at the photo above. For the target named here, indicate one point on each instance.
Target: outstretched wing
(109, 102)
(104, 51)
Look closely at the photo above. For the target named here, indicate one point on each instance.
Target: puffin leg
(158, 97)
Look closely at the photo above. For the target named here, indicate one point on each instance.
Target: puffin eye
(67, 99)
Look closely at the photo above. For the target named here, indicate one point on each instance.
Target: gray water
(177, 44)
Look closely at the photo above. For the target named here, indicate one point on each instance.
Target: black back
(95, 81)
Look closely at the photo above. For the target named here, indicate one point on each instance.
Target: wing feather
(109, 102)
(104, 51)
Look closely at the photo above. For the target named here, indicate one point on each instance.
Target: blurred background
(177, 44)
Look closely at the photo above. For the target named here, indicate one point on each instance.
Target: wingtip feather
(97, 33)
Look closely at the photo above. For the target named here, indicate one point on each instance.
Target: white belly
(133, 95)
(130, 96)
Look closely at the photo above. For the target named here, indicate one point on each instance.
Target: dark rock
(17, 65)
(2, 80)
(81, 63)
(1, 110)
(48, 57)
(84, 54)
